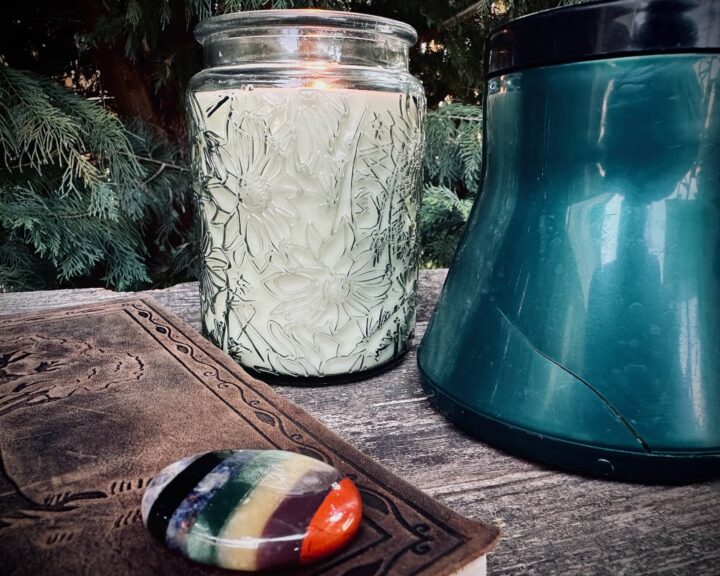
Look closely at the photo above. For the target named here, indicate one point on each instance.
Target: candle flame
(319, 85)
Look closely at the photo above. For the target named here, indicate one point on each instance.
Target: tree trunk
(122, 78)
(126, 83)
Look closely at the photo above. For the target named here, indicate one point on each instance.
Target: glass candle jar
(307, 139)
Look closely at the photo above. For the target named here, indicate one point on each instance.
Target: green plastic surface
(583, 305)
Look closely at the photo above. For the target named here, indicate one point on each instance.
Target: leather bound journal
(95, 400)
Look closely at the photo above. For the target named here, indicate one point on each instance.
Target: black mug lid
(604, 29)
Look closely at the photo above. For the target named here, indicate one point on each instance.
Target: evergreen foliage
(442, 221)
(453, 157)
(454, 147)
(77, 191)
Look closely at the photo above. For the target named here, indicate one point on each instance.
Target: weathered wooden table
(553, 523)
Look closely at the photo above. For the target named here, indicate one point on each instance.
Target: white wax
(308, 201)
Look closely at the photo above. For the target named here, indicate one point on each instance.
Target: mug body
(580, 321)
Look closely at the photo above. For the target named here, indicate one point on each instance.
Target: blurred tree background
(94, 185)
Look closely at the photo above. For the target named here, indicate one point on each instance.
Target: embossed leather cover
(95, 400)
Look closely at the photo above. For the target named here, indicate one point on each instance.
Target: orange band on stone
(335, 522)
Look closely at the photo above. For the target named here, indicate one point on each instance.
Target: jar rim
(307, 17)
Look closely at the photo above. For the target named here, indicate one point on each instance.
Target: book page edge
(477, 567)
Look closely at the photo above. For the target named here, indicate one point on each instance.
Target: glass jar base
(329, 380)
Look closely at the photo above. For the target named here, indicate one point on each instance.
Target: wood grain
(553, 523)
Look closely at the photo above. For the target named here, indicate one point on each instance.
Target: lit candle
(308, 198)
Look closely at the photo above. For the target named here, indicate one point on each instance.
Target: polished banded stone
(252, 509)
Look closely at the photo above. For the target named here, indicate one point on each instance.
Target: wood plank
(553, 523)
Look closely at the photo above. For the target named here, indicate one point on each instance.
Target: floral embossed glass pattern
(307, 138)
